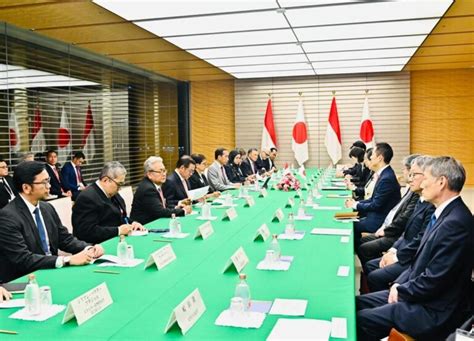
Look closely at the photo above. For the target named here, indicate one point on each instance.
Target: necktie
(224, 178)
(160, 192)
(7, 187)
(41, 231)
(185, 185)
(56, 173)
(123, 213)
(78, 174)
(431, 223)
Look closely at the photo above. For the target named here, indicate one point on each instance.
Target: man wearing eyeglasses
(100, 213)
(7, 190)
(149, 202)
(31, 232)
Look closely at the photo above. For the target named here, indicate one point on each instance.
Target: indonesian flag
(14, 133)
(333, 140)
(299, 143)
(64, 138)
(269, 139)
(366, 127)
(38, 142)
(88, 141)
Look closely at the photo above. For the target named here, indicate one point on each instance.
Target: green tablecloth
(144, 299)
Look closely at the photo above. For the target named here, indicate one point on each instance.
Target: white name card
(88, 304)
(187, 312)
(249, 202)
(161, 257)
(204, 231)
(290, 203)
(238, 260)
(230, 214)
(278, 215)
(263, 193)
(262, 233)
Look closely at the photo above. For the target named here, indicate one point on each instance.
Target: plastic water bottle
(173, 224)
(290, 224)
(178, 225)
(32, 296)
(242, 290)
(309, 199)
(206, 210)
(301, 212)
(122, 251)
(275, 247)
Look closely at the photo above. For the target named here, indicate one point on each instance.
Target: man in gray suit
(216, 173)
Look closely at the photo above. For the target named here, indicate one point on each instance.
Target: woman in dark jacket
(232, 169)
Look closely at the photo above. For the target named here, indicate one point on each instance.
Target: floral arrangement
(288, 182)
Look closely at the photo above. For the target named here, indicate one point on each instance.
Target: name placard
(161, 257)
(262, 233)
(278, 215)
(204, 231)
(88, 304)
(290, 203)
(230, 214)
(249, 202)
(263, 193)
(298, 194)
(187, 312)
(238, 260)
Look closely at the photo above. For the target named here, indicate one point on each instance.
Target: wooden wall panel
(212, 116)
(389, 100)
(442, 112)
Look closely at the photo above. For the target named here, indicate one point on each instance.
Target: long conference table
(144, 299)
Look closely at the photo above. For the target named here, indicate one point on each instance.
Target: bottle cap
(243, 276)
(31, 276)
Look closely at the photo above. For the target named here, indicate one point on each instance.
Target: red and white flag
(64, 138)
(333, 140)
(299, 144)
(88, 142)
(14, 133)
(269, 139)
(367, 134)
(38, 142)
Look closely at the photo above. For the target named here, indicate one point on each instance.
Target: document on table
(339, 327)
(330, 231)
(276, 266)
(45, 314)
(198, 193)
(130, 263)
(14, 303)
(247, 319)
(139, 233)
(288, 307)
(179, 235)
(260, 306)
(298, 235)
(308, 329)
(304, 217)
(329, 208)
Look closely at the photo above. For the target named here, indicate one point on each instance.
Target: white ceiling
(273, 38)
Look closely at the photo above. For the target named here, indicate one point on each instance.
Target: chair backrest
(64, 208)
(395, 335)
(127, 195)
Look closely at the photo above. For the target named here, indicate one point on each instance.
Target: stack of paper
(304, 217)
(175, 235)
(288, 307)
(15, 303)
(111, 260)
(329, 231)
(298, 235)
(308, 329)
(246, 319)
(283, 264)
(139, 233)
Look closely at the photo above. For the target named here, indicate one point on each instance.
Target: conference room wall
(212, 116)
(442, 115)
(389, 100)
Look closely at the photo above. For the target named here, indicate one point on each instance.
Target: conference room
(269, 169)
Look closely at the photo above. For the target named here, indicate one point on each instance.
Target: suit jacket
(95, 217)
(4, 194)
(197, 181)
(20, 246)
(70, 180)
(439, 277)
(234, 173)
(409, 242)
(147, 205)
(247, 168)
(400, 220)
(359, 192)
(216, 179)
(57, 185)
(173, 190)
(385, 196)
(361, 178)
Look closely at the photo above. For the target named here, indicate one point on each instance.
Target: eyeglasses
(3, 167)
(159, 171)
(44, 182)
(413, 175)
(119, 184)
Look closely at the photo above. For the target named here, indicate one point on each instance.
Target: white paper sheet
(225, 206)
(343, 271)
(246, 319)
(339, 327)
(330, 231)
(307, 329)
(45, 314)
(198, 193)
(175, 236)
(344, 239)
(203, 218)
(288, 307)
(329, 208)
(139, 233)
(276, 266)
(305, 217)
(352, 220)
(14, 303)
(130, 264)
(298, 235)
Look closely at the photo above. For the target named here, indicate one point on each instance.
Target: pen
(2, 331)
(107, 272)
(163, 240)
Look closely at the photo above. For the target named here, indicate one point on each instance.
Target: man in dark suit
(72, 175)
(177, 186)
(7, 189)
(31, 232)
(100, 212)
(385, 196)
(396, 220)
(249, 165)
(149, 203)
(57, 182)
(429, 298)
